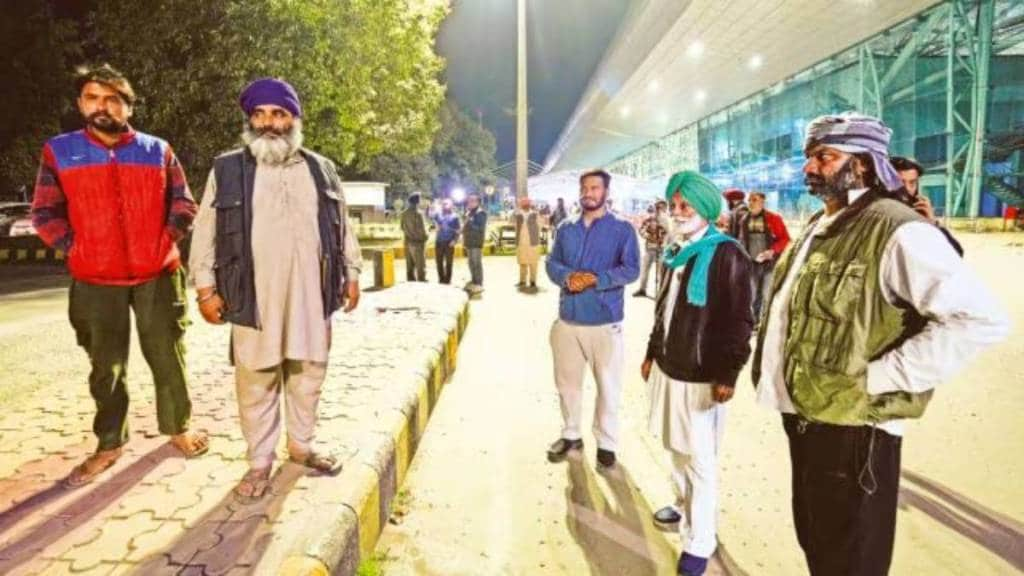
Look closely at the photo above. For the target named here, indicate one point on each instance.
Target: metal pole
(986, 15)
(522, 109)
(950, 118)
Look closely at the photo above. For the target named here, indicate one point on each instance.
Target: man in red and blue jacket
(116, 202)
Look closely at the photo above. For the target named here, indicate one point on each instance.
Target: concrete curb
(344, 531)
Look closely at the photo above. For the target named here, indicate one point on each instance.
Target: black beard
(109, 126)
(835, 187)
(604, 201)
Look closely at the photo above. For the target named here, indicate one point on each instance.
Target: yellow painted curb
(303, 566)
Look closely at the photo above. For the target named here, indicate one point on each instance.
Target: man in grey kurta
(302, 262)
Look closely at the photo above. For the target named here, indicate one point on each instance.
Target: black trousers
(845, 487)
(444, 253)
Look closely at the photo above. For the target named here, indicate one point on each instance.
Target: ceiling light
(700, 95)
(654, 86)
(625, 111)
(695, 49)
(756, 61)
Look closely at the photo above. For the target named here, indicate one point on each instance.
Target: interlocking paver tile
(166, 471)
(237, 540)
(200, 538)
(110, 546)
(177, 516)
(149, 545)
(214, 505)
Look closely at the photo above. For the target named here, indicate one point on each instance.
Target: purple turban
(270, 91)
(854, 133)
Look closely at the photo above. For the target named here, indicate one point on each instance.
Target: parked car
(22, 227)
(11, 212)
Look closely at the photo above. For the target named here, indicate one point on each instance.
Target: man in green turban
(698, 345)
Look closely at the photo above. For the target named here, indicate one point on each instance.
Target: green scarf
(703, 250)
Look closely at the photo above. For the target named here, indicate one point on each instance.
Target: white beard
(270, 150)
(690, 226)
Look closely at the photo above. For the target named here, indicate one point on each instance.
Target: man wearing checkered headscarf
(871, 309)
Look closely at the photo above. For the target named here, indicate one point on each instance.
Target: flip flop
(326, 464)
(92, 467)
(197, 444)
(257, 480)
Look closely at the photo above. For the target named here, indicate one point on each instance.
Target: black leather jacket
(709, 343)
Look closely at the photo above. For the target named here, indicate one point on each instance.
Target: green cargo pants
(102, 323)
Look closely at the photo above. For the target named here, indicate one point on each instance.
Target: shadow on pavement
(231, 536)
(997, 533)
(56, 525)
(615, 533)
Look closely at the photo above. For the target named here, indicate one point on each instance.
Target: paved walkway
(156, 513)
(480, 497)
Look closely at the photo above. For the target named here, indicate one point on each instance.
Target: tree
(365, 70)
(464, 151)
(39, 51)
(462, 155)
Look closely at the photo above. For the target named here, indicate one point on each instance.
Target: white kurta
(690, 424)
(683, 414)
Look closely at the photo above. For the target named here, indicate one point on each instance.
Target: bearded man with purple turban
(274, 255)
(870, 310)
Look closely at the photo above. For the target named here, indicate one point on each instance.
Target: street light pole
(522, 109)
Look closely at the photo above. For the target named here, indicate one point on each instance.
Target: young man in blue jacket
(594, 257)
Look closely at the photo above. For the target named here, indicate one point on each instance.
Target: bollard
(383, 268)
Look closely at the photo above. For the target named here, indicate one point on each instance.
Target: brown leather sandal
(191, 444)
(92, 467)
(254, 484)
(327, 464)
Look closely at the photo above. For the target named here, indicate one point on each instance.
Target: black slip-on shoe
(558, 451)
(667, 515)
(605, 458)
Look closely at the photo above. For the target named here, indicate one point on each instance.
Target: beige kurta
(286, 260)
(526, 253)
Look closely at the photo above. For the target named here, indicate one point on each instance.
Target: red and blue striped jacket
(117, 212)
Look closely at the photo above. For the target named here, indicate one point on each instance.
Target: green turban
(698, 191)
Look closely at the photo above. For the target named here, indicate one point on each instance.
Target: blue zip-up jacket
(448, 227)
(608, 249)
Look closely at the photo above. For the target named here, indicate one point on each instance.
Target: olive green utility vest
(839, 321)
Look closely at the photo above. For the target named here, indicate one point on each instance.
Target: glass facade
(907, 75)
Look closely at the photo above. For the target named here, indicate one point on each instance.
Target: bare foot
(191, 444)
(93, 466)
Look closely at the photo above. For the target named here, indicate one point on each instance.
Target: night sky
(566, 41)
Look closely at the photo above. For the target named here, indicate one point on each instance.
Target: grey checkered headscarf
(854, 133)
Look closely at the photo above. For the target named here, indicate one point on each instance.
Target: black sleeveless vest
(235, 173)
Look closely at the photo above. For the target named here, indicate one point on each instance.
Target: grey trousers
(761, 284)
(415, 262)
(259, 407)
(651, 258)
(475, 256)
